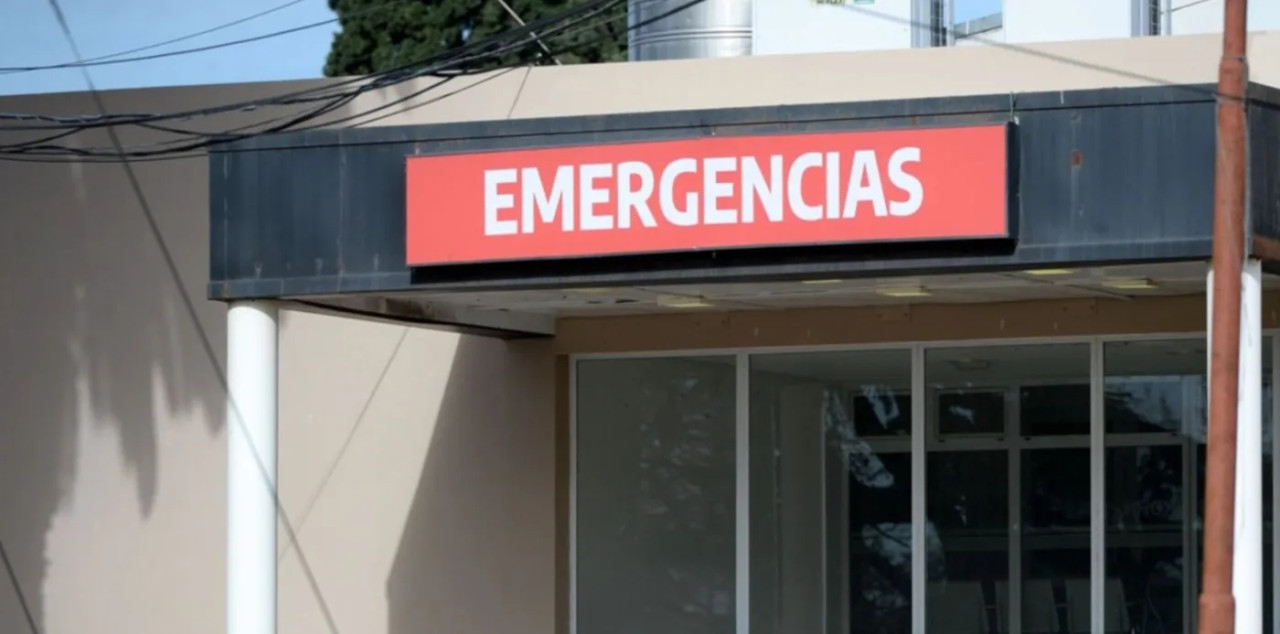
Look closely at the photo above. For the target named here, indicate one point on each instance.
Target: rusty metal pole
(1217, 605)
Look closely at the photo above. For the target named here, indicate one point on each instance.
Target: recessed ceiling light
(1129, 284)
(683, 302)
(970, 364)
(1049, 272)
(908, 291)
(821, 281)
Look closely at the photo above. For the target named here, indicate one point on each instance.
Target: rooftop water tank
(710, 28)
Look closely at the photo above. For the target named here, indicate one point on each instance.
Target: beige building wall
(417, 468)
(421, 501)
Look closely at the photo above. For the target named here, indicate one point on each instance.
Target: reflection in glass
(1145, 525)
(1008, 423)
(656, 496)
(1154, 404)
(1057, 410)
(831, 465)
(1200, 425)
(968, 507)
(1055, 540)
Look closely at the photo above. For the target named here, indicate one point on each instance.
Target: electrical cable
(28, 145)
(314, 93)
(193, 314)
(17, 590)
(205, 339)
(590, 10)
(190, 36)
(114, 59)
(293, 123)
(328, 90)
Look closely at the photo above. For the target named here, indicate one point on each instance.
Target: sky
(966, 9)
(30, 36)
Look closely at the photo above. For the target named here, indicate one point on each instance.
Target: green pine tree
(403, 32)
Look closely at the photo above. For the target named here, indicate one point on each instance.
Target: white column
(251, 468)
(1275, 478)
(1246, 581)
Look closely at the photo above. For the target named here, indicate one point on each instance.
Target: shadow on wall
(99, 362)
(478, 546)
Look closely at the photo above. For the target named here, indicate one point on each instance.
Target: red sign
(709, 193)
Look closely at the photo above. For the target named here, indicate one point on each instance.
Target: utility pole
(1217, 604)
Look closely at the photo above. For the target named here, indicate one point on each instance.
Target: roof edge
(745, 116)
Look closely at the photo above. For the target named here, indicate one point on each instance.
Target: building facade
(1002, 426)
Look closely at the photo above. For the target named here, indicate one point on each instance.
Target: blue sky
(970, 9)
(29, 36)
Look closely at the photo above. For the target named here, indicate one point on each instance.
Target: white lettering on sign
(722, 190)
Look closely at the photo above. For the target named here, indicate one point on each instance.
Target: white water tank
(710, 28)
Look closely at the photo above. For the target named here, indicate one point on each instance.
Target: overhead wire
(149, 47)
(456, 57)
(335, 89)
(68, 126)
(188, 303)
(190, 308)
(17, 590)
(324, 91)
(117, 59)
(193, 315)
(333, 96)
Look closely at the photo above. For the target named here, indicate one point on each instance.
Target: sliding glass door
(831, 492)
(1051, 487)
(1008, 490)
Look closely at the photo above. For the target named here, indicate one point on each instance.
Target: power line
(1026, 50)
(17, 590)
(190, 309)
(315, 94)
(457, 59)
(113, 59)
(444, 61)
(189, 305)
(190, 36)
(516, 16)
(587, 11)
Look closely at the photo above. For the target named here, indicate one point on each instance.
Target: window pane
(1058, 409)
(1055, 540)
(655, 496)
(988, 407)
(1154, 396)
(1145, 526)
(1200, 427)
(968, 508)
(831, 465)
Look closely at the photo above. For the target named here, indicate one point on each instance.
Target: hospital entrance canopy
(503, 227)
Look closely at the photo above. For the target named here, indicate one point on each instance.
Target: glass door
(831, 491)
(994, 489)
(1008, 494)
(1156, 415)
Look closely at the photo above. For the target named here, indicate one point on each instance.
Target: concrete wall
(422, 501)
(1205, 16)
(418, 468)
(1040, 21)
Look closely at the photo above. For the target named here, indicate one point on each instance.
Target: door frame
(919, 447)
